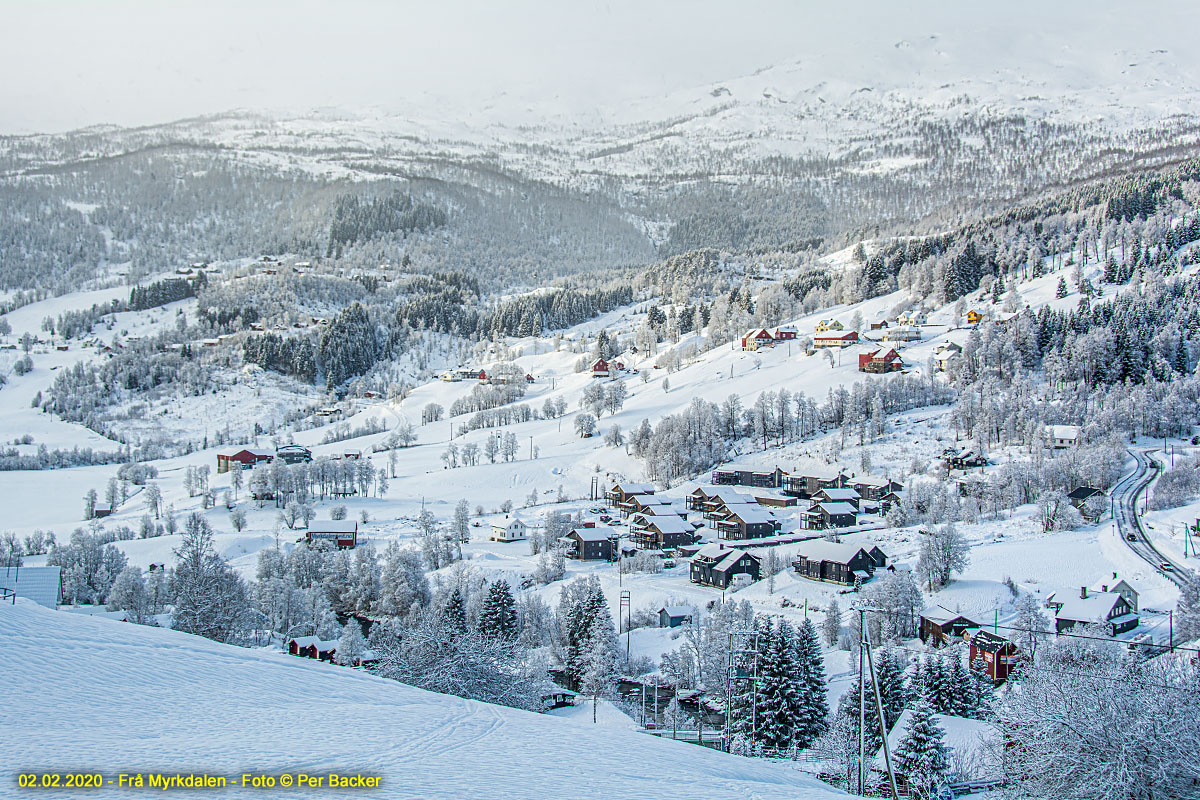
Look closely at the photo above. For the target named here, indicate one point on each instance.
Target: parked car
(668, 563)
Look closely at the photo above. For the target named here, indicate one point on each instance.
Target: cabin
(911, 317)
(945, 355)
(974, 317)
(964, 458)
(42, 585)
(941, 626)
(749, 476)
(718, 567)
(755, 338)
(1059, 437)
(880, 361)
(509, 530)
(602, 368)
(1108, 609)
(881, 325)
(832, 515)
(313, 647)
(661, 533)
(719, 507)
(808, 483)
(101, 510)
(622, 493)
(992, 655)
(343, 533)
(674, 616)
(838, 562)
(1079, 497)
(846, 495)
(652, 506)
(785, 333)
(870, 487)
(747, 523)
(558, 698)
(835, 339)
(827, 325)
(591, 544)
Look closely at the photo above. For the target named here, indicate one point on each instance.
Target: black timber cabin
(715, 566)
(745, 476)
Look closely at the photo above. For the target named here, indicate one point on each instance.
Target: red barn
(756, 338)
(247, 458)
(994, 654)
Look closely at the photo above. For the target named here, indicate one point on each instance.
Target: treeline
(168, 290)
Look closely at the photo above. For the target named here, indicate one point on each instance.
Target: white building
(1062, 436)
(509, 530)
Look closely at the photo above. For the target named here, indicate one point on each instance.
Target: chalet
(1059, 437)
(785, 333)
(847, 495)
(838, 562)
(748, 476)
(342, 532)
(755, 338)
(879, 361)
(293, 454)
(808, 483)
(101, 510)
(747, 523)
(890, 500)
(940, 625)
(974, 317)
(591, 544)
(827, 325)
(1109, 609)
(623, 492)
(903, 333)
(1119, 586)
(718, 567)
(882, 325)
(993, 654)
(247, 457)
(653, 506)
(674, 616)
(911, 317)
(964, 458)
(700, 496)
(42, 585)
(509, 530)
(870, 487)
(835, 339)
(832, 515)
(1080, 496)
(721, 506)
(661, 533)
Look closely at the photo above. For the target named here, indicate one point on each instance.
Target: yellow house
(828, 325)
(974, 317)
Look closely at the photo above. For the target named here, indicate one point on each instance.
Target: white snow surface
(200, 706)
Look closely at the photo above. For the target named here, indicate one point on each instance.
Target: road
(1126, 495)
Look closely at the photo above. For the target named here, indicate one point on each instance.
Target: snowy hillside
(197, 706)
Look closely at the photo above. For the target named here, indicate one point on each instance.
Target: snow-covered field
(198, 706)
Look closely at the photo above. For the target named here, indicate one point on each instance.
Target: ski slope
(93, 694)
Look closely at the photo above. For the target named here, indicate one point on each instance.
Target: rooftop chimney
(1083, 593)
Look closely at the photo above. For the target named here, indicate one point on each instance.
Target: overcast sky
(70, 63)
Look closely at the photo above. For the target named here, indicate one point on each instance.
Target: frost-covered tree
(943, 551)
(498, 616)
(211, 600)
(831, 626)
(128, 594)
(351, 646)
(922, 757)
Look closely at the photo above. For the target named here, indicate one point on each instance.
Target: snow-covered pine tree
(813, 718)
(963, 700)
(889, 669)
(922, 757)
(453, 614)
(498, 618)
(351, 645)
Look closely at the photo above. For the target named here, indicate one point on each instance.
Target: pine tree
(813, 717)
(1062, 288)
(962, 701)
(498, 617)
(453, 614)
(889, 669)
(922, 757)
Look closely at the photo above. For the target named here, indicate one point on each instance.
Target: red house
(483, 376)
(880, 361)
(785, 333)
(994, 654)
(313, 647)
(247, 458)
(603, 369)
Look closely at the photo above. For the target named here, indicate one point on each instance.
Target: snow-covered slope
(99, 695)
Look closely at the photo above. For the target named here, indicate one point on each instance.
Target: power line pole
(864, 653)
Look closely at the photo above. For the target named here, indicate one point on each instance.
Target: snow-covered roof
(634, 488)
(1063, 431)
(669, 524)
(724, 556)
(42, 585)
(754, 514)
(304, 641)
(837, 508)
(841, 494)
(1096, 607)
(968, 739)
(597, 534)
(940, 614)
(677, 611)
(823, 550)
(729, 497)
(332, 526)
(870, 480)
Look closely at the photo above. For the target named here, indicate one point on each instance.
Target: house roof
(634, 488)
(1113, 584)
(724, 557)
(841, 494)
(669, 524)
(970, 742)
(254, 451)
(1096, 607)
(600, 533)
(677, 611)
(986, 640)
(1084, 492)
(751, 515)
(837, 508)
(1063, 431)
(304, 641)
(823, 550)
(729, 497)
(333, 526)
(941, 615)
(42, 585)
(871, 480)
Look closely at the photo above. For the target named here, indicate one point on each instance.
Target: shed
(674, 616)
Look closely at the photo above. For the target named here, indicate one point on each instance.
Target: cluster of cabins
(325, 650)
(835, 499)
(758, 338)
(288, 454)
(481, 375)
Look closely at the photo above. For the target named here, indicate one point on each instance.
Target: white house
(509, 530)
(1061, 436)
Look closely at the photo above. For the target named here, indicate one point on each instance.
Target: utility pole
(625, 606)
(864, 652)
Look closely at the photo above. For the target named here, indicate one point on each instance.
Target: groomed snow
(92, 694)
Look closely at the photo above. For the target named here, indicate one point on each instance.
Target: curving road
(1125, 497)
